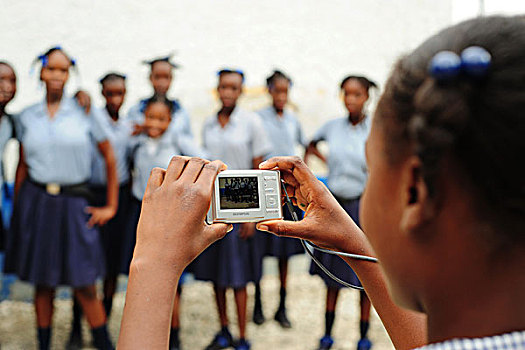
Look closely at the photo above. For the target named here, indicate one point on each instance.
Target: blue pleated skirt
(130, 234)
(113, 233)
(49, 242)
(231, 262)
(333, 263)
(285, 247)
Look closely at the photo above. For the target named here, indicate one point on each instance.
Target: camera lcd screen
(239, 192)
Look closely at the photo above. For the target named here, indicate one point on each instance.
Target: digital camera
(246, 196)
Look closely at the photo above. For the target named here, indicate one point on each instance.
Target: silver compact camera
(246, 196)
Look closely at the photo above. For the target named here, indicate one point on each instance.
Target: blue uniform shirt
(149, 153)
(119, 134)
(180, 119)
(59, 149)
(241, 140)
(6, 133)
(347, 170)
(283, 131)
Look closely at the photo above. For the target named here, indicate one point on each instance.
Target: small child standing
(112, 233)
(346, 137)
(285, 133)
(236, 137)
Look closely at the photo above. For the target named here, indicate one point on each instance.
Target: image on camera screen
(238, 192)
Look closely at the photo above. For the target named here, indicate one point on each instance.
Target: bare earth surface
(306, 302)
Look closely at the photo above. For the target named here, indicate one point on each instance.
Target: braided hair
(111, 77)
(477, 123)
(277, 74)
(160, 99)
(364, 81)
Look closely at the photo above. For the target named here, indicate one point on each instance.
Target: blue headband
(473, 62)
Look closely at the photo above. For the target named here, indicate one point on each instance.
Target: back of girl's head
(162, 100)
(276, 75)
(364, 81)
(110, 77)
(477, 122)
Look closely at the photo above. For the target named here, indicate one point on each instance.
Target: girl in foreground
(443, 208)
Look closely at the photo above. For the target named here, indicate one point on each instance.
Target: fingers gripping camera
(246, 196)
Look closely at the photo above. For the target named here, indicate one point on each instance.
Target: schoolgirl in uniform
(285, 134)
(160, 77)
(347, 177)
(154, 148)
(7, 129)
(53, 239)
(236, 137)
(112, 233)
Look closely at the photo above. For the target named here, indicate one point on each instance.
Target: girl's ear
(418, 209)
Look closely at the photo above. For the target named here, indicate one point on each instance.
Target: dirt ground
(306, 301)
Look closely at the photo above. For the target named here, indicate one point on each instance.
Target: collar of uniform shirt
(66, 104)
(507, 341)
(234, 116)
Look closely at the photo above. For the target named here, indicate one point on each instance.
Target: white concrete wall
(316, 42)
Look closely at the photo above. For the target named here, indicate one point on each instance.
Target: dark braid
(478, 123)
(364, 81)
(277, 74)
(160, 99)
(111, 77)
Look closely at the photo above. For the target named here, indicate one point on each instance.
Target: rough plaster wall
(316, 42)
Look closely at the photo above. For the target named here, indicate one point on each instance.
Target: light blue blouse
(284, 132)
(148, 153)
(347, 169)
(241, 140)
(119, 134)
(59, 149)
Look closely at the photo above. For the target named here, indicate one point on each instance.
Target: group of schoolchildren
(82, 173)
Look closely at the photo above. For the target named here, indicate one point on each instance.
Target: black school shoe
(280, 316)
(75, 341)
(221, 341)
(258, 316)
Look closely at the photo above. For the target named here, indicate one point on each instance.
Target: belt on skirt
(55, 189)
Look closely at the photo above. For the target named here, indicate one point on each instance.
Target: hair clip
(73, 61)
(445, 65)
(474, 62)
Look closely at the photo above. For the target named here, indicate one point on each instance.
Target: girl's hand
(171, 227)
(138, 129)
(325, 222)
(100, 215)
(83, 100)
(247, 230)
